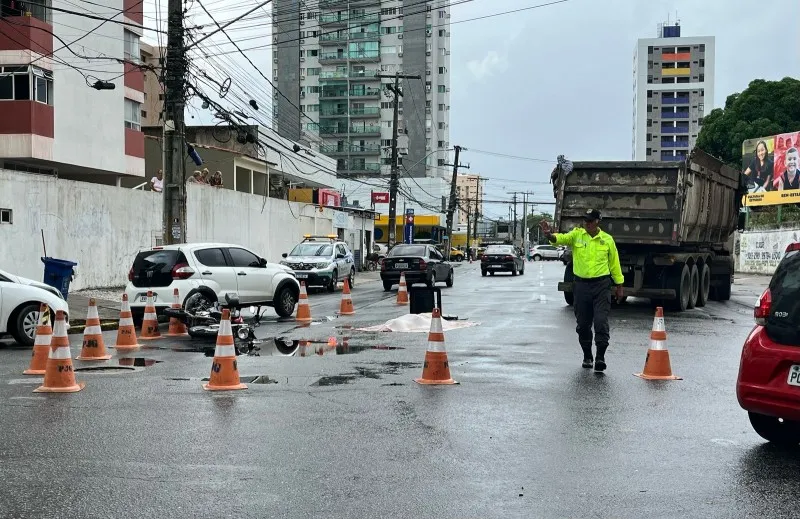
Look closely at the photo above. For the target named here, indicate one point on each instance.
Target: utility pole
(452, 205)
(525, 222)
(174, 191)
(514, 228)
(477, 211)
(469, 255)
(393, 180)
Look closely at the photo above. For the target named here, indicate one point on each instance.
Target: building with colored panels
(673, 88)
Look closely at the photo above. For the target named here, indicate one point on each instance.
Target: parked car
(321, 261)
(421, 264)
(768, 386)
(502, 258)
(457, 255)
(20, 301)
(204, 273)
(545, 252)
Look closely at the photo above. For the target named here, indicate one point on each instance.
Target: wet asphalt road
(527, 433)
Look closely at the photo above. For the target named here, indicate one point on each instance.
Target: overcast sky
(559, 79)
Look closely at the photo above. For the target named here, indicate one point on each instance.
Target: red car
(768, 387)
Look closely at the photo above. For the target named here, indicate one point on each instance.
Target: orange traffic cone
(224, 371)
(41, 343)
(303, 310)
(150, 329)
(436, 369)
(657, 365)
(402, 292)
(346, 306)
(93, 346)
(176, 327)
(59, 376)
(126, 333)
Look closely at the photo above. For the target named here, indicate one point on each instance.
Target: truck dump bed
(679, 204)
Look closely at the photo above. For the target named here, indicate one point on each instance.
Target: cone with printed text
(436, 369)
(150, 329)
(346, 306)
(303, 310)
(126, 333)
(224, 369)
(59, 376)
(41, 343)
(402, 292)
(93, 346)
(657, 365)
(176, 327)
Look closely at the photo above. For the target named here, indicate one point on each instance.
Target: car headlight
(284, 262)
(322, 265)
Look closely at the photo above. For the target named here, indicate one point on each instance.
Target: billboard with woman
(771, 166)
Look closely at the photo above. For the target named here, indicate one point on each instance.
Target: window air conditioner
(400, 36)
(274, 60)
(400, 54)
(302, 59)
(302, 77)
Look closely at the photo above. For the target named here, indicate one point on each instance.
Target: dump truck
(673, 223)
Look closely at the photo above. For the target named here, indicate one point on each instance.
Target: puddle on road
(245, 379)
(374, 373)
(110, 370)
(138, 361)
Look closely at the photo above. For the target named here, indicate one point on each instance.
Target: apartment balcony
(358, 168)
(366, 131)
(342, 130)
(344, 4)
(345, 18)
(678, 129)
(344, 37)
(675, 115)
(680, 157)
(366, 112)
(336, 75)
(674, 144)
(335, 150)
(369, 93)
(332, 58)
(676, 71)
(675, 100)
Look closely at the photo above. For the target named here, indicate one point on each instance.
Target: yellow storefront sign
(789, 196)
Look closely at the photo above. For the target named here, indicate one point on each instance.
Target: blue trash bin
(58, 274)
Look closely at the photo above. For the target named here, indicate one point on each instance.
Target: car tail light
(182, 271)
(509, 258)
(793, 247)
(130, 275)
(484, 258)
(423, 265)
(763, 307)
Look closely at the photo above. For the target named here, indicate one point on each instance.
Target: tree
(764, 108)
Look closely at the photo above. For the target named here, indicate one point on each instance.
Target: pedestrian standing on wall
(595, 265)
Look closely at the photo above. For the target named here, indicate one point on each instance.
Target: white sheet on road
(416, 323)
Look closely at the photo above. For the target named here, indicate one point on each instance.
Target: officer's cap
(592, 214)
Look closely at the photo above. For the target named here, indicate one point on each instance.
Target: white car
(20, 299)
(204, 273)
(545, 252)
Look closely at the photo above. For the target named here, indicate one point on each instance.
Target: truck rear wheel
(694, 279)
(680, 280)
(569, 277)
(705, 286)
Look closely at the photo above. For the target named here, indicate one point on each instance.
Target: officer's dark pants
(592, 302)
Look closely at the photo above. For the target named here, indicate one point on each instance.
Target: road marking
(26, 381)
(27, 398)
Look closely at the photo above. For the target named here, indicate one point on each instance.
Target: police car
(321, 261)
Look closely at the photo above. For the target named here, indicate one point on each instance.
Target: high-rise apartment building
(673, 88)
(153, 106)
(325, 62)
(469, 190)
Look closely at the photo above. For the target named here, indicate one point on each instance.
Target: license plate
(143, 298)
(302, 276)
(794, 375)
(401, 265)
(497, 266)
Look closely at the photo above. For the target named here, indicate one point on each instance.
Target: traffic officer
(595, 265)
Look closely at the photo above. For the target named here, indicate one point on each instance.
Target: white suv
(206, 272)
(545, 252)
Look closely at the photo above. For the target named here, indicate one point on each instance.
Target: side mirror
(262, 262)
(284, 255)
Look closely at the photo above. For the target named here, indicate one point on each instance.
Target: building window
(133, 112)
(132, 52)
(441, 107)
(312, 15)
(144, 114)
(6, 216)
(442, 70)
(442, 89)
(442, 33)
(702, 77)
(26, 83)
(313, 71)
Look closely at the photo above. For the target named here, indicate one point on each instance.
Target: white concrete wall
(761, 251)
(89, 124)
(99, 227)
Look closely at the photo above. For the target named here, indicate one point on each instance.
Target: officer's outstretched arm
(613, 264)
(565, 238)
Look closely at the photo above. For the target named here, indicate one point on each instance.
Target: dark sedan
(502, 258)
(421, 264)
